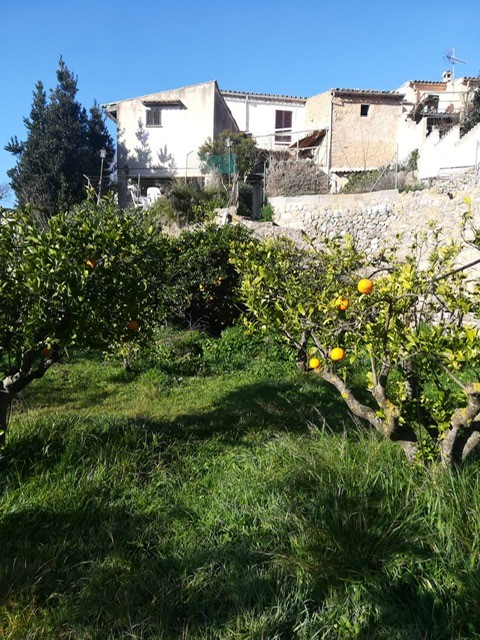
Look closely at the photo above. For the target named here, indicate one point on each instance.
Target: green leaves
(413, 328)
(51, 297)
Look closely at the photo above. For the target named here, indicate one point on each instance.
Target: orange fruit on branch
(46, 352)
(91, 264)
(337, 354)
(314, 363)
(133, 325)
(342, 304)
(365, 285)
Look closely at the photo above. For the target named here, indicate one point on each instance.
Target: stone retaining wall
(375, 219)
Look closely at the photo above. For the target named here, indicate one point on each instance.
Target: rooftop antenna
(453, 60)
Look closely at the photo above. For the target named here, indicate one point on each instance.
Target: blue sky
(122, 49)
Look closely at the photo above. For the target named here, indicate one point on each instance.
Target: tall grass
(233, 506)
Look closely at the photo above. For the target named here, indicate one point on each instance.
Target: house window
(364, 110)
(154, 118)
(283, 127)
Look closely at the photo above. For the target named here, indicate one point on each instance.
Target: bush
(266, 213)
(192, 204)
(176, 353)
(202, 283)
(161, 213)
(366, 181)
(295, 178)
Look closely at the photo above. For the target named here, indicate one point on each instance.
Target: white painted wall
(170, 149)
(256, 115)
(442, 155)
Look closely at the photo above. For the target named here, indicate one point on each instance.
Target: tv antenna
(453, 61)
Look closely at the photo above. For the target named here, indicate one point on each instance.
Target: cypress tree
(62, 147)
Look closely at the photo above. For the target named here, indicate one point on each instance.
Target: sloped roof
(240, 94)
(310, 140)
(393, 95)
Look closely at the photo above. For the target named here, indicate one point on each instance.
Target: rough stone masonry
(384, 218)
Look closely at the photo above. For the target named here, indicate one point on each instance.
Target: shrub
(203, 283)
(161, 213)
(266, 213)
(295, 178)
(192, 204)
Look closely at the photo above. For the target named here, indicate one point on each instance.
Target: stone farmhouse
(341, 130)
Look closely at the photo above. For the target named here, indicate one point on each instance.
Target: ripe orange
(342, 304)
(46, 352)
(133, 325)
(314, 363)
(337, 354)
(365, 286)
(91, 264)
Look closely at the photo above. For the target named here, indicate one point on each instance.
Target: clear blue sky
(122, 49)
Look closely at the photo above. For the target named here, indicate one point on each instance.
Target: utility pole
(103, 155)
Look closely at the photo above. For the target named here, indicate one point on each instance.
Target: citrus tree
(82, 281)
(397, 338)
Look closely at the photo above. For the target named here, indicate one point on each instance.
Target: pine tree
(62, 147)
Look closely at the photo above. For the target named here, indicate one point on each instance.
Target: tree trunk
(5, 403)
(462, 437)
(388, 426)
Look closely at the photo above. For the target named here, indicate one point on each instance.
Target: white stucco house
(159, 134)
(275, 121)
(341, 130)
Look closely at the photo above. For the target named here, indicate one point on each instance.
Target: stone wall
(376, 219)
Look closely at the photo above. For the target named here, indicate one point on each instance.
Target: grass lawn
(242, 504)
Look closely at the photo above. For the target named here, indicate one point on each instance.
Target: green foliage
(78, 282)
(417, 329)
(203, 282)
(176, 353)
(161, 213)
(236, 350)
(415, 186)
(362, 181)
(411, 163)
(266, 213)
(471, 116)
(192, 204)
(243, 148)
(62, 146)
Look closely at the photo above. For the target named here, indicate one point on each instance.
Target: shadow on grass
(253, 411)
(110, 571)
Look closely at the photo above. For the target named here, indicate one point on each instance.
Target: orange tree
(84, 280)
(406, 326)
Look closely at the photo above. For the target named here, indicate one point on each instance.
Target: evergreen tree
(62, 147)
(472, 116)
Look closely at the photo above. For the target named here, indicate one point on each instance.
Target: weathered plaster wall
(360, 143)
(438, 155)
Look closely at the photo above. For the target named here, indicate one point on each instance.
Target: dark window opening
(154, 118)
(364, 110)
(283, 127)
